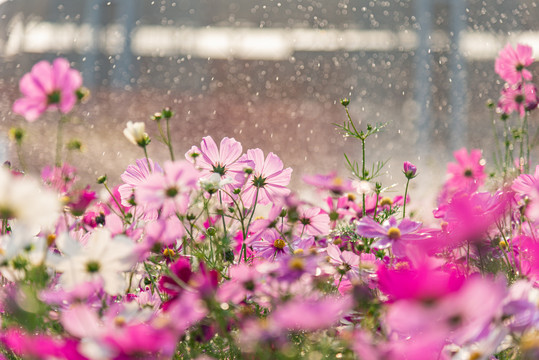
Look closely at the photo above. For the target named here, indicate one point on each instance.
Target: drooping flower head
(268, 180)
(511, 63)
(48, 87)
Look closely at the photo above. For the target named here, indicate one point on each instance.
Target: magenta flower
(511, 63)
(80, 200)
(423, 283)
(268, 182)
(467, 174)
(520, 98)
(409, 170)
(390, 233)
(48, 87)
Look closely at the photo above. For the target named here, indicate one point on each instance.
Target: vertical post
(91, 19)
(423, 11)
(126, 11)
(458, 97)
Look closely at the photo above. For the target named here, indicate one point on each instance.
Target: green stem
(169, 143)
(405, 195)
(21, 157)
(59, 144)
(147, 158)
(363, 173)
(498, 153)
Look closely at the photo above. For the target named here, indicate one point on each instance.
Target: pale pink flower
(511, 63)
(313, 221)
(223, 161)
(311, 314)
(47, 87)
(169, 191)
(268, 182)
(135, 175)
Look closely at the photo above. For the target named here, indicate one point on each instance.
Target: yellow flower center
(50, 239)
(475, 355)
(337, 181)
(119, 321)
(298, 251)
(279, 244)
(168, 252)
(386, 201)
(393, 233)
(296, 263)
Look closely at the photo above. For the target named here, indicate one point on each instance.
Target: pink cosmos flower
(244, 282)
(48, 87)
(520, 98)
(268, 181)
(61, 178)
(311, 314)
(331, 182)
(135, 175)
(270, 246)
(409, 170)
(511, 63)
(313, 221)
(222, 161)
(460, 316)
(169, 191)
(423, 283)
(390, 233)
(467, 174)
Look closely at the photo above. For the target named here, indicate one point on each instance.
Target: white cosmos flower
(102, 257)
(24, 199)
(136, 133)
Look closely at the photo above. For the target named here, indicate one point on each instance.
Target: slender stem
(147, 158)
(154, 286)
(114, 198)
(21, 157)
(525, 129)
(498, 153)
(169, 143)
(363, 173)
(59, 144)
(405, 196)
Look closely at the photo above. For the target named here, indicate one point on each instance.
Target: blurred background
(269, 73)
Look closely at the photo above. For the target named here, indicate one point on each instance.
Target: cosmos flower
(102, 257)
(170, 190)
(519, 98)
(268, 180)
(389, 233)
(48, 87)
(223, 161)
(511, 63)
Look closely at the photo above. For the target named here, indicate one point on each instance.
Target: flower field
(210, 255)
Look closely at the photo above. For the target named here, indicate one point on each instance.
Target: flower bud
(136, 134)
(409, 170)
